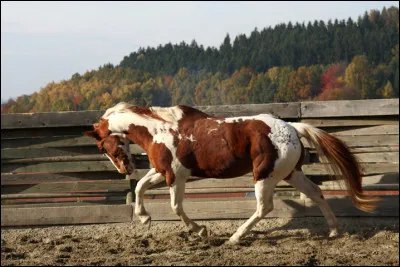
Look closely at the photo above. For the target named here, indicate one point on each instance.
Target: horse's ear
(92, 134)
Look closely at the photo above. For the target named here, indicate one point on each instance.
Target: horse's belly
(214, 159)
(237, 167)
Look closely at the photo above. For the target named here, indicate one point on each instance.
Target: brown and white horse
(182, 141)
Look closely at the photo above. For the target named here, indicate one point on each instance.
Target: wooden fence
(52, 174)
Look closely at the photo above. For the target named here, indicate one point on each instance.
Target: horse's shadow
(358, 223)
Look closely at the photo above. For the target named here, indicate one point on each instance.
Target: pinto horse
(182, 141)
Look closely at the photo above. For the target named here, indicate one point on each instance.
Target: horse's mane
(118, 108)
(159, 113)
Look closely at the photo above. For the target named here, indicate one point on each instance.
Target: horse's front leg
(177, 192)
(150, 179)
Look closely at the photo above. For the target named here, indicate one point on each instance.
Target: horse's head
(114, 145)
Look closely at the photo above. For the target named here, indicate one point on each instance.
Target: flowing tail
(342, 163)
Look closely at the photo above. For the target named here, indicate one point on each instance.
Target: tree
(359, 75)
(284, 92)
(387, 91)
(302, 83)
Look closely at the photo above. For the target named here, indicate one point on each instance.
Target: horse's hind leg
(298, 180)
(264, 190)
(177, 192)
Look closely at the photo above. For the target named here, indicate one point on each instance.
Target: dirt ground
(278, 241)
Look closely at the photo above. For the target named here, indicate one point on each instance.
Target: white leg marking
(306, 186)
(151, 178)
(264, 194)
(177, 192)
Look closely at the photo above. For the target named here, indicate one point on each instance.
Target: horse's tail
(341, 162)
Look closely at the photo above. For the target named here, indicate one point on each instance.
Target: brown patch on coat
(225, 150)
(161, 158)
(146, 111)
(139, 135)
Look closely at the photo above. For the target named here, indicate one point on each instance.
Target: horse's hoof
(333, 233)
(145, 219)
(233, 240)
(203, 232)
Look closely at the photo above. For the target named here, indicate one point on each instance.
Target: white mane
(118, 108)
(169, 114)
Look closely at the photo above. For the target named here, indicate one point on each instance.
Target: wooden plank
(48, 204)
(387, 178)
(215, 209)
(367, 130)
(76, 186)
(65, 215)
(69, 166)
(17, 153)
(344, 108)
(209, 190)
(77, 131)
(36, 178)
(247, 181)
(367, 168)
(394, 148)
(342, 206)
(392, 157)
(98, 157)
(374, 140)
(59, 195)
(365, 141)
(212, 190)
(50, 119)
(284, 110)
(87, 118)
(360, 150)
(60, 141)
(60, 167)
(281, 110)
(107, 199)
(337, 186)
(368, 121)
(44, 132)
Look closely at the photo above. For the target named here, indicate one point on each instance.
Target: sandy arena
(278, 241)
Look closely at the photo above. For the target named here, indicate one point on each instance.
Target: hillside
(313, 61)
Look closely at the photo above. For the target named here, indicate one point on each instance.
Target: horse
(181, 141)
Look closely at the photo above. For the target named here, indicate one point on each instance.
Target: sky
(43, 42)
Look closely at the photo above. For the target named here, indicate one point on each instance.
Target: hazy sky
(50, 41)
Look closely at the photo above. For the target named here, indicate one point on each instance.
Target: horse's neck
(141, 136)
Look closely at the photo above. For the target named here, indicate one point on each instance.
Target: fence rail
(51, 172)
